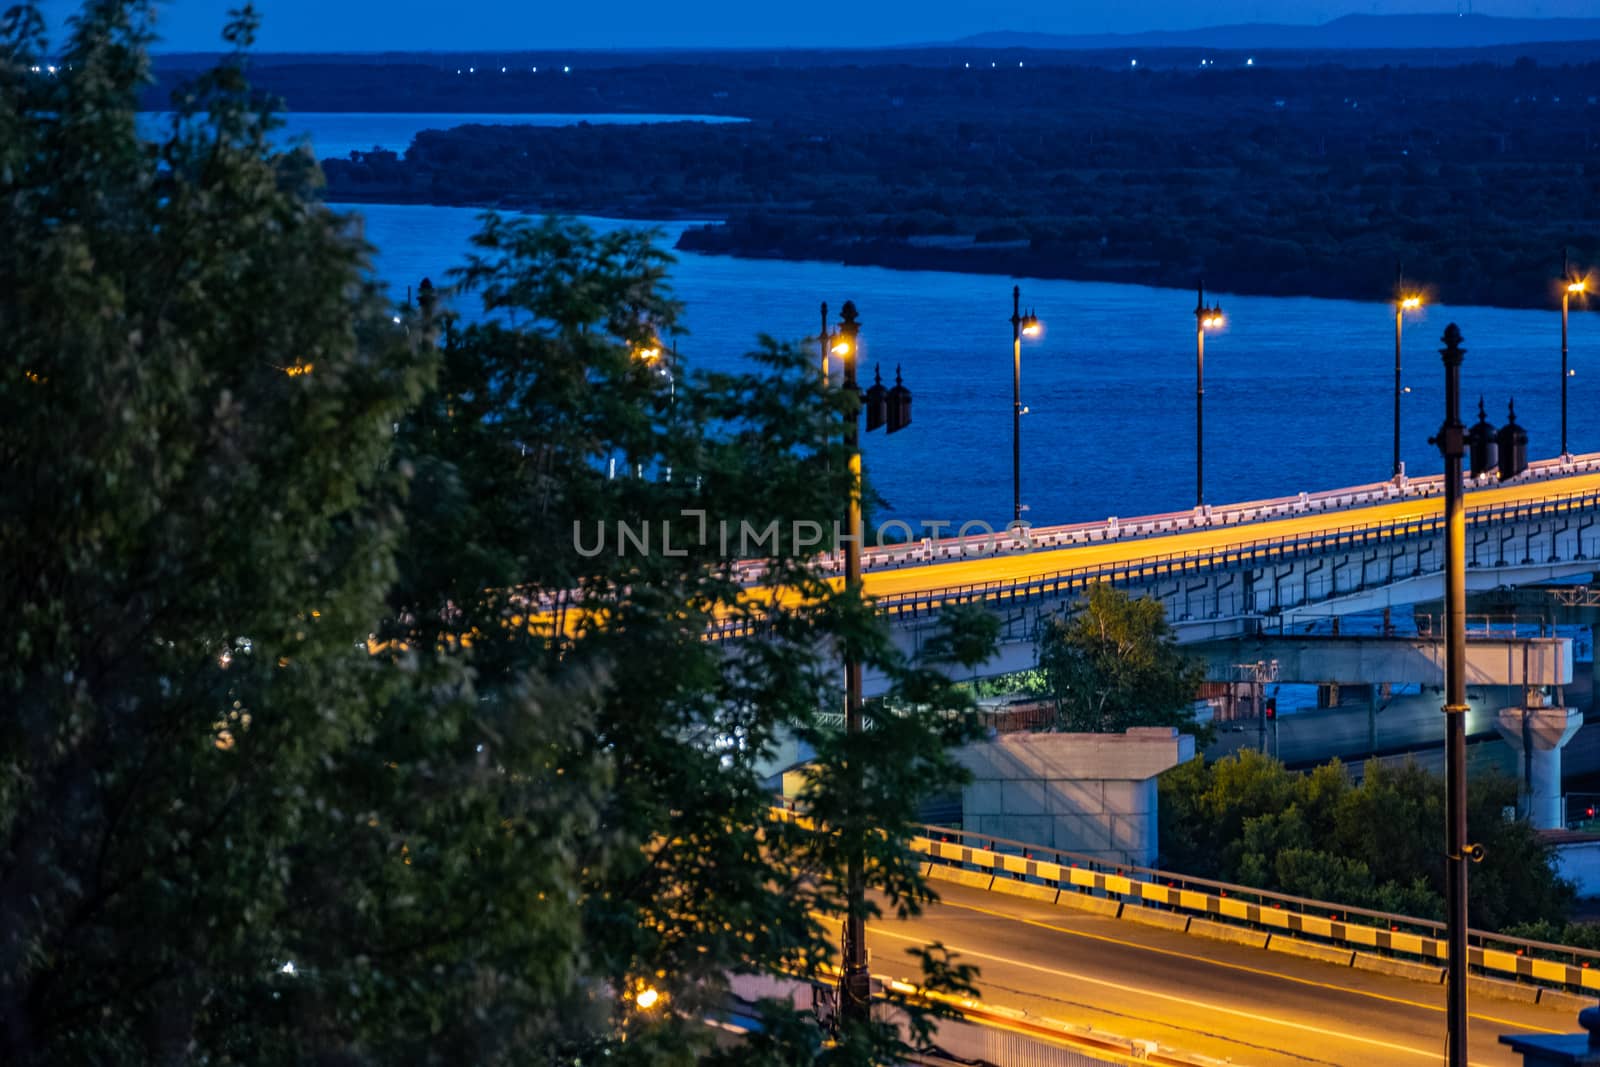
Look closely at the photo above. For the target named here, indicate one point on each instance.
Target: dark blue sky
(375, 25)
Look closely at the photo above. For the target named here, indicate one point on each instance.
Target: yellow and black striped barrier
(1282, 916)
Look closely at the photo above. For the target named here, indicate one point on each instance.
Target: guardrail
(929, 550)
(1242, 554)
(1315, 921)
(1250, 553)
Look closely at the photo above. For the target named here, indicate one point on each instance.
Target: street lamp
(1403, 302)
(890, 408)
(1569, 287)
(1021, 326)
(1205, 318)
(1508, 450)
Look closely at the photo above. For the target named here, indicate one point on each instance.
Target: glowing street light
(1403, 302)
(1205, 318)
(1021, 326)
(647, 998)
(1572, 286)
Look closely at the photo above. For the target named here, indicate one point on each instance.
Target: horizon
(370, 26)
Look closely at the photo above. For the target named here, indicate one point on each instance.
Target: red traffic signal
(1272, 707)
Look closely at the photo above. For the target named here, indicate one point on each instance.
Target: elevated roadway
(1288, 562)
(1000, 573)
(1232, 1002)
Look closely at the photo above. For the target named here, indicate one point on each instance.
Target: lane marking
(1522, 1027)
(1432, 1054)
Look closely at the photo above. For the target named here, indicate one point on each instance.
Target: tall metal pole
(1566, 296)
(1399, 302)
(824, 336)
(1200, 397)
(1451, 442)
(856, 984)
(1016, 403)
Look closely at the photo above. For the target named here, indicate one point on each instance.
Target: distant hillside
(1349, 32)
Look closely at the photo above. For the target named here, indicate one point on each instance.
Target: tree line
(322, 744)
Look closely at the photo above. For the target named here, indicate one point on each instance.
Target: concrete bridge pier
(1537, 733)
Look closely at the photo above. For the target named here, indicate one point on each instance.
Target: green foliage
(514, 524)
(308, 667)
(1377, 844)
(1114, 663)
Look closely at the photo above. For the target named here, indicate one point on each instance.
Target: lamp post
(1205, 318)
(1403, 303)
(1021, 326)
(1569, 286)
(825, 339)
(1451, 440)
(890, 408)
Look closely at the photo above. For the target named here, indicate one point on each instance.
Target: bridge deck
(914, 580)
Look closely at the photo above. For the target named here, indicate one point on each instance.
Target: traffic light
(1272, 707)
(1482, 444)
(1488, 448)
(1513, 442)
(899, 413)
(877, 401)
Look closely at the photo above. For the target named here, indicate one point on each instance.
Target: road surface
(1232, 1002)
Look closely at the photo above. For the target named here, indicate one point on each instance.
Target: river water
(1299, 391)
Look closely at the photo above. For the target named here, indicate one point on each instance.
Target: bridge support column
(1088, 793)
(1537, 734)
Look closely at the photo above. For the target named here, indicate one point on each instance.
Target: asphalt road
(1232, 1002)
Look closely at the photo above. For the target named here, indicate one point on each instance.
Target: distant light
(1579, 286)
(1019, 63)
(566, 70)
(397, 320)
(646, 998)
(991, 64)
(1407, 389)
(1411, 303)
(1133, 62)
(472, 70)
(967, 65)
(841, 347)
(1250, 62)
(535, 70)
(287, 968)
(502, 70)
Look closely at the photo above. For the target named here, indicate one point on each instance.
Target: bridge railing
(917, 553)
(1245, 553)
(1167, 565)
(1277, 914)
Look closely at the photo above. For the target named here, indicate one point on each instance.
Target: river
(1298, 390)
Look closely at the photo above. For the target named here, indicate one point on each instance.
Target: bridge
(1231, 571)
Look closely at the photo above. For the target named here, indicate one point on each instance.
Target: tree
(1114, 663)
(1376, 844)
(327, 740)
(197, 523)
(516, 525)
